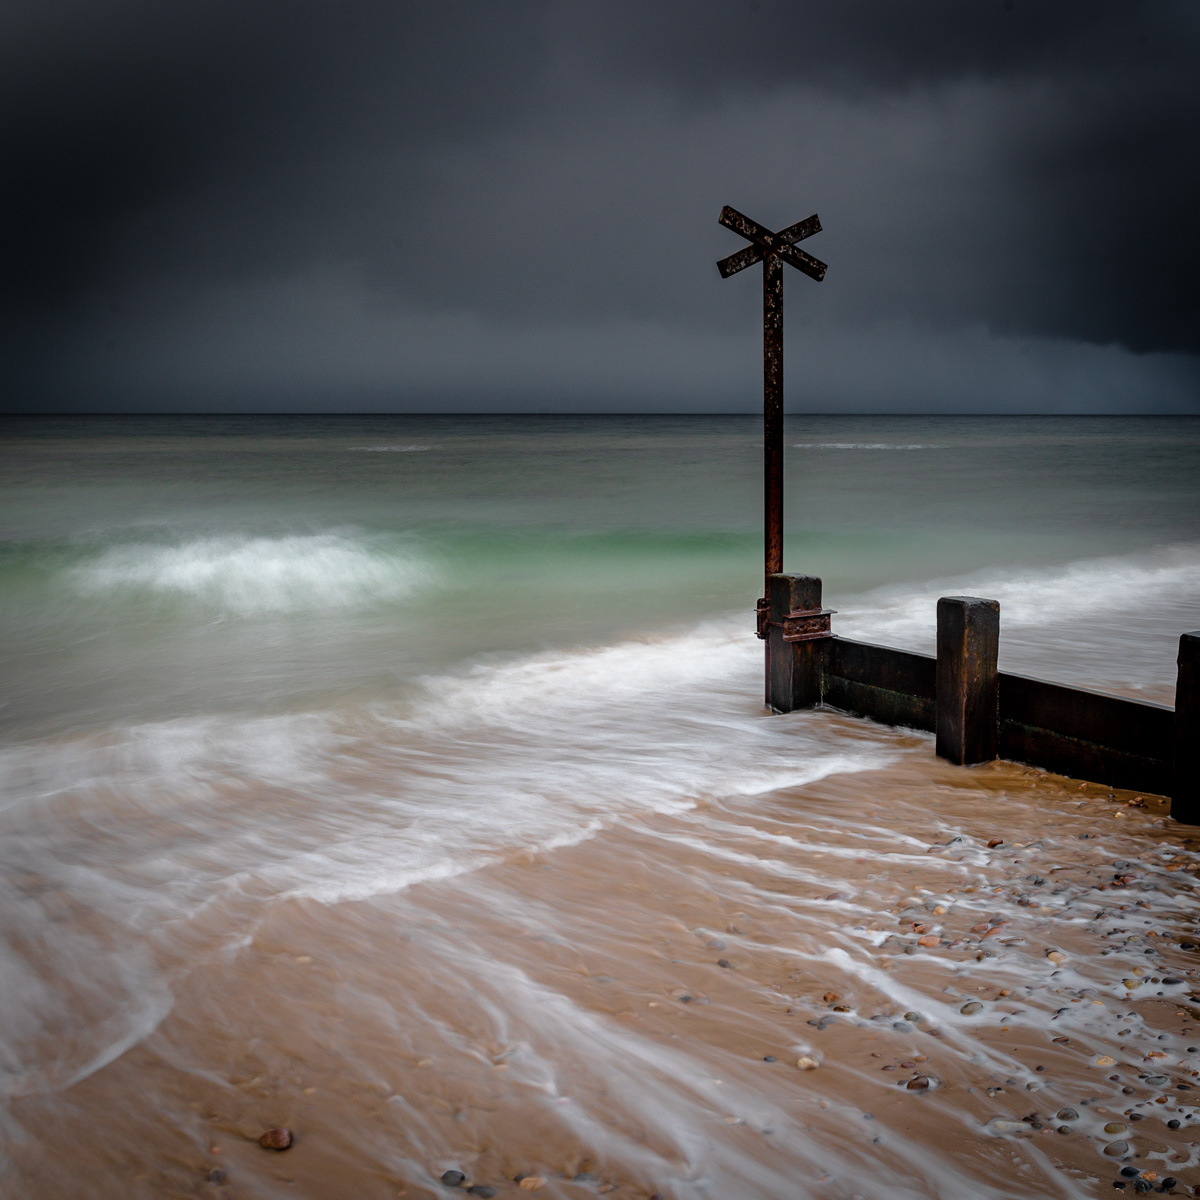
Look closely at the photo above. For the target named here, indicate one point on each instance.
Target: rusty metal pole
(773, 416)
(772, 250)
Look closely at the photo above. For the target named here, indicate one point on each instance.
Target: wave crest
(252, 575)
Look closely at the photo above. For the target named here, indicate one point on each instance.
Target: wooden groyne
(977, 712)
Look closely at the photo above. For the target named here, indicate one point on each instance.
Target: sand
(626, 1015)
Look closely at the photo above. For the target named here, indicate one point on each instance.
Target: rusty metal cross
(772, 250)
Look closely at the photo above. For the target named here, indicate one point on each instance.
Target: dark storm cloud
(228, 183)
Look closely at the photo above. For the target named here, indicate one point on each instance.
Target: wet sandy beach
(833, 990)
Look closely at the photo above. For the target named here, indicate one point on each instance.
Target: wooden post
(1185, 787)
(968, 681)
(794, 666)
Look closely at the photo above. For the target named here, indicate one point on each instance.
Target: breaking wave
(243, 575)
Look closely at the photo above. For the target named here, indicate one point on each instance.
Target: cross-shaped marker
(772, 250)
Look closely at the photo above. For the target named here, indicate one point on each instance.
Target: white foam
(533, 753)
(249, 575)
(1032, 597)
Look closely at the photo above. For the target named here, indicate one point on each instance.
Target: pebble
(1105, 1061)
(807, 1063)
(1116, 1127)
(1067, 1114)
(216, 1175)
(1056, 956)
(1003, 1126)
(994, 842)
(769, 1058)
(912, 1016)
(1117, 1149)
(929, 939)
(530, 1183)
(724, 962)
(453, 1178)
(276, 1139)
(972, 1006)
(918, 1083)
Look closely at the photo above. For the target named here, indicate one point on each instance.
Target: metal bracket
(807, 624)
(803, 625)
(763, 616)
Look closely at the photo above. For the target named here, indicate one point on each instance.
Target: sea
(405, 781)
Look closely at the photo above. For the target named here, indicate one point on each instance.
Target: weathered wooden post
(772, 250)
(1185, 783)
(796, 627)
(968, 680)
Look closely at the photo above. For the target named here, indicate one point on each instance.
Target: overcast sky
(374, 205)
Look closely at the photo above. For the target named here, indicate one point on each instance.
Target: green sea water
(187, 565)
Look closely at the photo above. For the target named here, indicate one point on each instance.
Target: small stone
(929, 939)
(1067, 1114)
(1056, 956)
(1064, 1129)
(1000, 1125)
(971, 1007)
(769, 1058)
(1105, 1060)
(531, 1183)
(1117, 1149)
(1173, 1124)
(919, 1083)
(216, 1175)
(721, 962)
(453, 1178)
(912, 1016)
(1130, 1172)
(830, 997)
(983, 928)
(1116, 1127)
(807, 1063)
(994, 842)
(276, 1139)
(1168, 1183)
